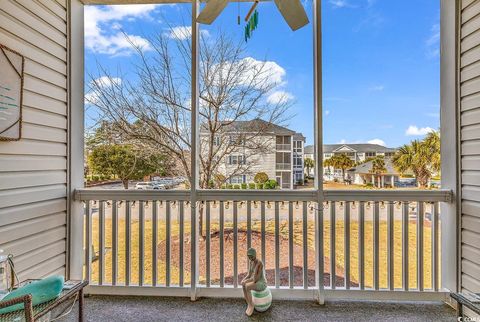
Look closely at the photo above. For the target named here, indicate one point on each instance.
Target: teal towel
(42, 291)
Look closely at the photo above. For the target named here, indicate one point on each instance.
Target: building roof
(259, 126)
(365, 168)
(356, 147)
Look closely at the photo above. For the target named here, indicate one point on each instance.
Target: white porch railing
(364, 244)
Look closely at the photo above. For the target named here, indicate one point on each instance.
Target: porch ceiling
(110, 2)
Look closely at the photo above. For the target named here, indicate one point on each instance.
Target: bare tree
(151, 108)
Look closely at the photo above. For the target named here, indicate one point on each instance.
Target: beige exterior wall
(33, 171)
(470, 144)
(264, 162)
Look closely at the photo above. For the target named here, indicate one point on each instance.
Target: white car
(149, 186)
(144, 186)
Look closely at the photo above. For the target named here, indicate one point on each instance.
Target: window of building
(236, 159)
(370, 154)
(297, 146)
(217, 140)
(297, 161)
(238, 179)
(284, 157)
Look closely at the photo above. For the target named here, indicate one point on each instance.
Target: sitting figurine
(255, 285)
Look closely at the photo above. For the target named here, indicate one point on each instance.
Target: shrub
(270, 184)
(300, 182)
(251, 186)
(218, 180)
(95, 178)
(236, 186)
(224, 186)
(260, 186)
(369, 185)
(260, 177)
(229, 186)
(244, 186)
(211, 184)
(306, 180)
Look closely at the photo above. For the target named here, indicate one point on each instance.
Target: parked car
(149, 186)
(166, 183)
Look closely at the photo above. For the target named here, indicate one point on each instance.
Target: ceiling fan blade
(212, 10)
(293, 13)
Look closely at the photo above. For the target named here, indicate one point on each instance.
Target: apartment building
(246, 148)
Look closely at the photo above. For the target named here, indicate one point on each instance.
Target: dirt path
(242, 259)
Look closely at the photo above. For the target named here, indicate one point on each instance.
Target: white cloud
(340, 4)
(413, 130)
(342, 141)
(276, 73)
(433, 42)
(101, 82)
(279, 97)
(105, 81)
(327, 112)
(183, 33)
(377, 88)
(377, 141)
(99, 40)
(256, 73)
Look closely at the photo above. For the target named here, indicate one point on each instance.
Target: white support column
(75, 139)
(317, 56)
(450, 146)
(194, 186)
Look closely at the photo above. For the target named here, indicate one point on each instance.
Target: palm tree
(420, 157)
(378, 167)
(339, 161)
(309, 164)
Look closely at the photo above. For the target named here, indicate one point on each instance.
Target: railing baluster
(88, 242)
(222, 252)
(277, 244)
(291, 277)
(361, 243)
(181, 209)
(347, 244)
(114, 242)
(405, 222)
(435, 250)
(154, 243)
(390, 245)
(207, 243)
(235, 244)
(376, 244)
(333, 279)
(305, 244)
(128, 243)
(101, 242)
(249, 224)
(168, 231)
(262, 219)
(420, 222)
(141, 242)
(319, 248)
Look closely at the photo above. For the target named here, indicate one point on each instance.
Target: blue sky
(381, 63)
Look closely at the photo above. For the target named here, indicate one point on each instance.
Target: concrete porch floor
(145, 309)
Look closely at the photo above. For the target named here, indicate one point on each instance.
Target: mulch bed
(242, 259)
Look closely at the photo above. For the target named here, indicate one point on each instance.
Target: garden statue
(255, 290)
